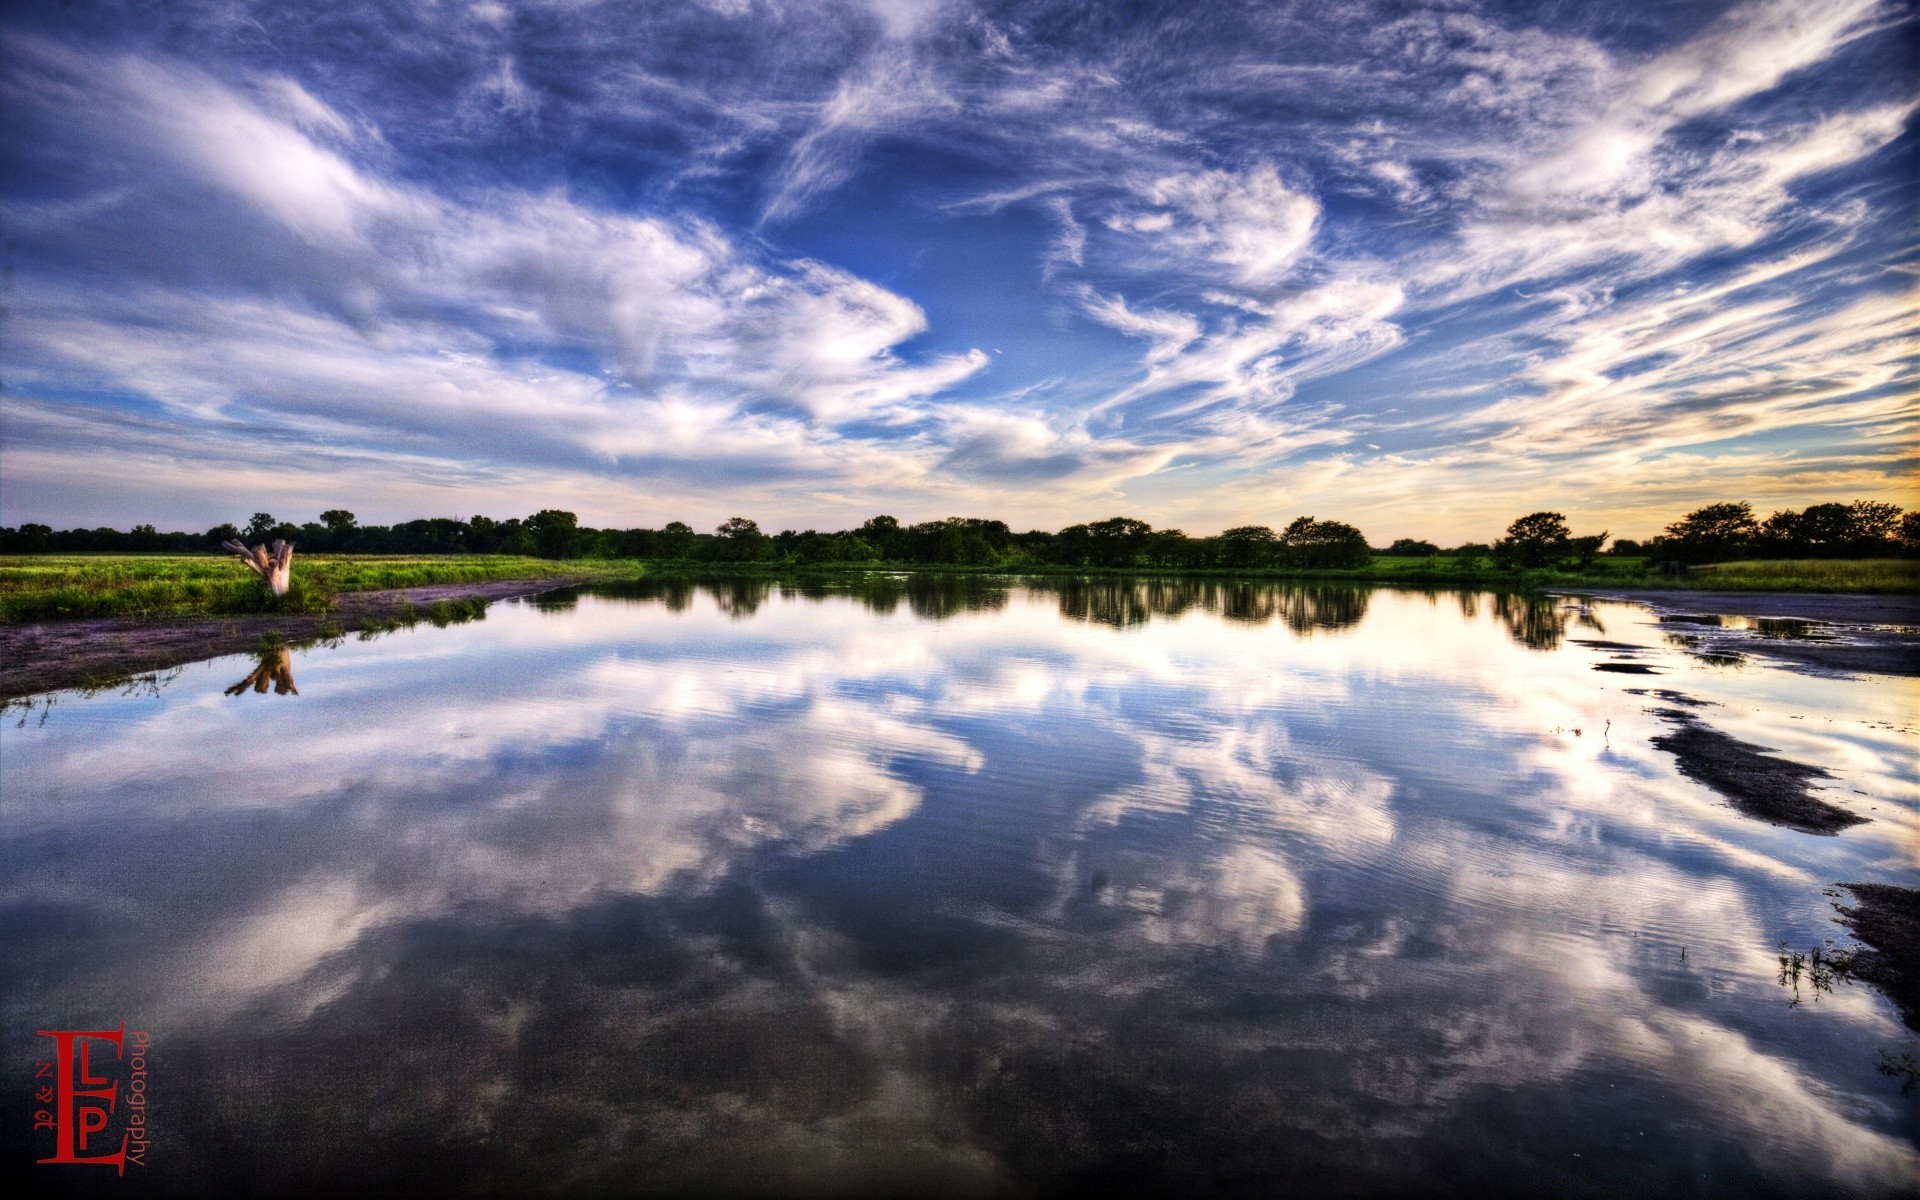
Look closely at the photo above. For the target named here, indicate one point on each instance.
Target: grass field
(39, 587)
(1812, 575)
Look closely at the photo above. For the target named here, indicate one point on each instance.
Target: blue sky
(1420, 267)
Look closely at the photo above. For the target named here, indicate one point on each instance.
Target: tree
(261, 527)
(1247, 546)
(742, 541)
(1412, 548)
(1874, 521)
(1908, 533)
(556, 533)
(1327, 545)
(1586, 549)
(1534, 540)
(676, 540)
(339, 521)
(1715, 533)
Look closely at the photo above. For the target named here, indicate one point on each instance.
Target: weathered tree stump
(274, 567)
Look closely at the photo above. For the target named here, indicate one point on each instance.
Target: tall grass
(1812, 575)
(40, 587)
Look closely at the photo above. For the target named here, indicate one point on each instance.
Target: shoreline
(1883, 629)
(1821, 633)
(105, 652)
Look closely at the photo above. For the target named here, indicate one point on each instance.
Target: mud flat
(1775, 790)
(1826, 633)
(101, 652)
(1886, 919)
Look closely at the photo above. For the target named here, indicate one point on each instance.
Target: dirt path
(47, 655)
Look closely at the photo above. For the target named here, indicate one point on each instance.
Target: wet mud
(1886, 920)
(1757, 784)
(1821, 634)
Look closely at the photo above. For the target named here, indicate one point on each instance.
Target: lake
(956, 885)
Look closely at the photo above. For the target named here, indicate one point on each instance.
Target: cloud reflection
(958, 885)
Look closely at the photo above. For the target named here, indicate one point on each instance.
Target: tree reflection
(938, 596)
(276, 668)
(1536, 622)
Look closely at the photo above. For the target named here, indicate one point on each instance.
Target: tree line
(1729, 532)
(1717, 532)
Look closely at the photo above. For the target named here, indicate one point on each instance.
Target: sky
(1423, 267)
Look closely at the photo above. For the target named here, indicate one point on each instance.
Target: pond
(975, 886)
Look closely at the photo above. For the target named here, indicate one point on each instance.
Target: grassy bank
(42, 587)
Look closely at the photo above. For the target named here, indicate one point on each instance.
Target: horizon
(1421, 270)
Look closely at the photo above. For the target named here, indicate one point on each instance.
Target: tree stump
(274, 567)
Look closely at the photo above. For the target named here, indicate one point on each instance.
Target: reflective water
(950, 885)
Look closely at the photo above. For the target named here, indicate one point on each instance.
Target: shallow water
(951, 885)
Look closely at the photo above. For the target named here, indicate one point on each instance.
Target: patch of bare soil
(1887, 920)
(101, 652)
(1775, 790)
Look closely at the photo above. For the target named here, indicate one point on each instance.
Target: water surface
(956, 885)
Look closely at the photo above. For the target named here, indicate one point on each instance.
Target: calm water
(960, 886)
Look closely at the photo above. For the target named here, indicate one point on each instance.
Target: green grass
(1811, 575)
(40, 587)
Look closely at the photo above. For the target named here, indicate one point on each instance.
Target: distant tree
(1874, 521)
(676, 540)
(1780, 535)
(1908, 532)
(483, 533)
(555, 532)
(1716, 533)
(1626, 547)
(212, 538)
(1247, 546)
(338, 521)
(145, 537)
(1173, 548)
(1586, 549)
(1412, 548)
(742, 541)
(1534, 540)
(1324, 544)
(261, 527)
(1826, 530)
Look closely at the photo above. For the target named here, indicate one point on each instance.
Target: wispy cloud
(634, 253)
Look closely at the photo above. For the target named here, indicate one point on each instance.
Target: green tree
(556, 533)
(1326, 545)
(1715, 533)
(1535, 540)
(339, 521)
(1412, 548)
(742, 541)
(261, 528)
(1247, 546)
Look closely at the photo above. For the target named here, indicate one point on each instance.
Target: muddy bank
(47, 655)
(1886, 920)
(1822, 633)
(1775, 790)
